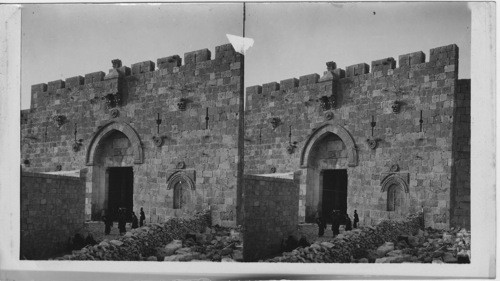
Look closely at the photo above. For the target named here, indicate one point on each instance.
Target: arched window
(182, 186)
(181, 194)
(394, 198)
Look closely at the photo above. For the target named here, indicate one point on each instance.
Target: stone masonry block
(308, 79)
(143, 67)
(125, 70)
(289, 83)
(445, 55)
(411, 59)
(74, 81)
(224, 51)
(169, 62)
(42, 87)
(254, 90)
(339, 72)
(270, 87)
(54, 85)
(197, 56)
(383, 64)
(357, 69)
(94, 77)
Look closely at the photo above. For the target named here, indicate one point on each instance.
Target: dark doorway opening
(334, 192)
(120, 191)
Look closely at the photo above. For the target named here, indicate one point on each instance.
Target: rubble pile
(214, 244)
(429, 246)
(142, 242)
(388, 242)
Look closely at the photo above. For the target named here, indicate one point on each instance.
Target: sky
(291, 39)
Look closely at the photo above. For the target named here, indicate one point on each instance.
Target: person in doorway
(135, 222)
(335, 222)
(121, 221)
(108, 224)
(320, 221)
(356, 219)
(142, 217)
(348, 223)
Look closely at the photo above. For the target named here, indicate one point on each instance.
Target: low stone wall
(342, 248)
(142, 242)
(270, 207)
(52, 210)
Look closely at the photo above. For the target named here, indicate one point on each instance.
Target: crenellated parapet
(45, 93)
(446, 56)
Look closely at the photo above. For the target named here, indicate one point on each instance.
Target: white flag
(240, 44)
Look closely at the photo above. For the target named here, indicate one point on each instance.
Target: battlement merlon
(224, 52)
(446, 56)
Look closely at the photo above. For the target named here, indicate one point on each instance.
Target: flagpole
(244, 18)
(241, 133)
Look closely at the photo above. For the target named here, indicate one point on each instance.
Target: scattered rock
(173, 246)
(326, 244)
(449, 258)
(116, 242)
(238, 255)
(385, 248)
(395, 253)
(152, 258)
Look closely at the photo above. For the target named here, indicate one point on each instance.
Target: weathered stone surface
(173, 246)
(44, 231)
(272, 217)
(151, 258)
(449, 258)
(116, 242)
(384, 249)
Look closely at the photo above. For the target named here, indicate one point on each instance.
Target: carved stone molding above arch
(176, 175)
(400, 179)
(104, 131)
(322, 131)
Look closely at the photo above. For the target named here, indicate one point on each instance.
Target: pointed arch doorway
(113, 153)
(326, 160)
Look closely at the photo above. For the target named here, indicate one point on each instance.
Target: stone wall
(270, 207)
(287, 123)
(460, 197)
(52, 210)
(199, 104)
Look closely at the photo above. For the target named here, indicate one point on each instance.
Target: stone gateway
(177, 137)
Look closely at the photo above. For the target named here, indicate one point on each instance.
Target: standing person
(320, 221)
(108, 223)
(356, 219)
(121, 221)
(335, 223)
(135, 224)
(348, 223)
(142, 217)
